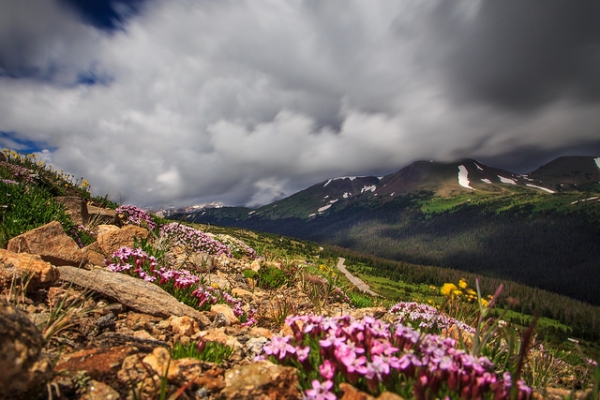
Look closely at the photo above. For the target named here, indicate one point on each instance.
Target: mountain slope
(541, 229)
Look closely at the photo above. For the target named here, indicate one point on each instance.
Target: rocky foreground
(71, 327)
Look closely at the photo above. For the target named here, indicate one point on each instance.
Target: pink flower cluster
(136, 216)
(420, 315)
(339, 296)
(195, 239)
(19, 173)
(137, 262)
(375, 356)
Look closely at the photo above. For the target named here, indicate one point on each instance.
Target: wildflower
(279, 347)
(302, 353)
(448, 289)
(327, 370)
(320, 391)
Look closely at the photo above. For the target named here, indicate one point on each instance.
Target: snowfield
(463, 177)
(367, 188)
(320, 210)
(584, 200)
(507, 180)
(541, 188)
(341, 177)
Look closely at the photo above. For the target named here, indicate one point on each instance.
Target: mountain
(541, 228)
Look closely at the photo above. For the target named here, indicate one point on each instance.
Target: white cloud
(243, 102)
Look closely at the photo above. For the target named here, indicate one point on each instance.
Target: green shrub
(271, 278)
(27, 207)
(249, 273)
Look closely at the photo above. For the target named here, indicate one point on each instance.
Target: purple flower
(320, 391)
(279, 347)
(302, 353)
(327, 370)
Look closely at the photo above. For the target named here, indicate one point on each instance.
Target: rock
(21, 361)
(135, 293)
(96, 362)
(219, 336)
(261, 380)
(183, 326)
(243, 294)
(255, 265)
(352, 393)
(51, 243)
(226, 311)
(97, 215)
(75, 207)
(254, 346)
(110, 238)
(179, 372)
(41, 274)
(100, 391)
(137, 321)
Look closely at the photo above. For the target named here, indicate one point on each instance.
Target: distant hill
(542, 228)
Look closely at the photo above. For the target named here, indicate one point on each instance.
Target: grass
(205, 351)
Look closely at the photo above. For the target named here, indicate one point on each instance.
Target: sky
(165, 103)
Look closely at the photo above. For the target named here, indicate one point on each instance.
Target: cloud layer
(244, 102)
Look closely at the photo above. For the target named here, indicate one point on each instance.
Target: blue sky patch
(12, 141)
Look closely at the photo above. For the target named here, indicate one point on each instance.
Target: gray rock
(135, 293)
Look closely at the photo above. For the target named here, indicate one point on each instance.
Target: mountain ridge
(541, 228)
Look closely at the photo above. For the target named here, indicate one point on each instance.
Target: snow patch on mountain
(541, 188)
(486, 180)
(367, 188)
(597, 161)
(339, 178)
(346, 195)
(333, 201)
(463, 177)
(584, 200)
(320, 210)
(507, 180)
(478, 167)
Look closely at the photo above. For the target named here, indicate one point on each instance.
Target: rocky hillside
(130, 306)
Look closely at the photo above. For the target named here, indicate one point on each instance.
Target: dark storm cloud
(183, 101)
(521, 55)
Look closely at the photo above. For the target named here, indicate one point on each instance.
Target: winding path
(363, 287)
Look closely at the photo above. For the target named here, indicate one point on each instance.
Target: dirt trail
(363, 287)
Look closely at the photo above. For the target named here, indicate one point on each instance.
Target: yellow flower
(484, 302)
(448, 288)
(215, 285)
(462, 284)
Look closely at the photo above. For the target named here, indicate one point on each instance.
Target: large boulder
(51, 243)
(24, 267)
(21, 361)
(98, 215)
(109, 238)
(135, 293)
(75, 207)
